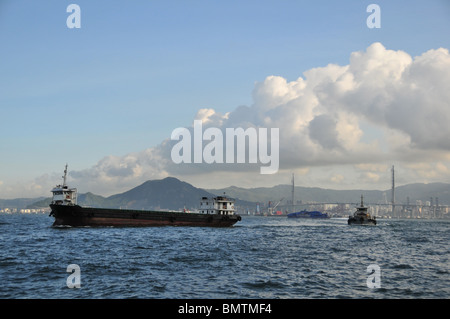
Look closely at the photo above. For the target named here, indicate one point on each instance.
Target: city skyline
(350, 101)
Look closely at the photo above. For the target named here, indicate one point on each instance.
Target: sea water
(259, 257)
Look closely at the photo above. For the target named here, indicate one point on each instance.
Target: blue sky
(136, 70)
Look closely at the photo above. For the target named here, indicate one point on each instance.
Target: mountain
(173, 194)
(303, 194)
(18, 202)
(422, 192)
(87, 199)
(167, 193)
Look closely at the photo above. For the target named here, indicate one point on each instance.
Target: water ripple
(262, 257)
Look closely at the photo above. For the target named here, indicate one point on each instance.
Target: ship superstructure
(220, 205)
(361, 216)
(62, 194)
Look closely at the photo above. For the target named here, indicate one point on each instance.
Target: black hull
(308, 217)
(361, 221)
(77, 216)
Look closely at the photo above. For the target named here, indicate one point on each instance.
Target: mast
(65, 176)
(293, 207)
(393, 191)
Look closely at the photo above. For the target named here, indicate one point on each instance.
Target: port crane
(272, 209)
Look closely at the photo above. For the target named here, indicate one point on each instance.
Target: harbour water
(260, 257)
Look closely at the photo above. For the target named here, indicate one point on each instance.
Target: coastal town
(430, 209)
(16, 210)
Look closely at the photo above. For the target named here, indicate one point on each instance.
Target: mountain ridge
(171, 193)
(415, 191)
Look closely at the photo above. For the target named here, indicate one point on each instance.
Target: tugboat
(214, 212)
(361, 216)
(308, 214)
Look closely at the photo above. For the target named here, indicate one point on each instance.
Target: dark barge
(214, 212)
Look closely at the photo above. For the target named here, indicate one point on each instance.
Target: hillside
(18, 202)
(171, 193)
(417, 191)
(168, 193)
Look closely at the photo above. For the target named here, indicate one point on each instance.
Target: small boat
(361, 216)
(308, 214)
(214, 212)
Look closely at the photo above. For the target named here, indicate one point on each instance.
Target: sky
(349, 101)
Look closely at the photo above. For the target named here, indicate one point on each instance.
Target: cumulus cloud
(115, 173)
(321, 117)
(337, 178)
(394, 91)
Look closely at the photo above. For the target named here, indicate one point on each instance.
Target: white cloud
(378, 168)
(337, 178)
(370, 177)
(321, 116)
(429, 171)
(117, 173)
(39, 186)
